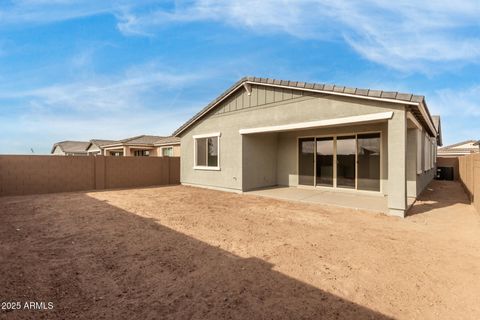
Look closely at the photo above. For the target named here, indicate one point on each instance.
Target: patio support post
(397, 165)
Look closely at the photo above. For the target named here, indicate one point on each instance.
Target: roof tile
(361, 92)
(404, 96)
(349, 90)
(309, 85)
(374, 93)
(389, 94)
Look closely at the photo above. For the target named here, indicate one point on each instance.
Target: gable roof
(460, 148)
(143, 139)
(421, 112)
(458, 144)
(438, 126)
(100, 143)
(72, 146)
(167, 140)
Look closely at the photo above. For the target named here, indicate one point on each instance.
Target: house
(264, 132)
(144, 145)
(459, 149)
(168, 147)
(70, 148)
(95, 146)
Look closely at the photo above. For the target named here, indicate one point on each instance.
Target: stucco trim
(321, 123)
(207, 135)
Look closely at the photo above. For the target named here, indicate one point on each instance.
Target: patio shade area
(368, 202)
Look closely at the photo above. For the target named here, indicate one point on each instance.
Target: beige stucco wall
(299, 108)
(176, 150)
(58, 152)
(260, 158)
(94, 149)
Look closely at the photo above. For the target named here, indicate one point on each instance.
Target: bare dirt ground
(187, 253)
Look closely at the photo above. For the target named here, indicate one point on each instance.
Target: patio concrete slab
(346, 199)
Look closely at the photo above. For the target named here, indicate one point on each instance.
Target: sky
(81, 70)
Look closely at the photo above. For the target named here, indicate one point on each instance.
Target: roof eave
(420, 104)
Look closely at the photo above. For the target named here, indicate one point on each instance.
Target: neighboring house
(459, 149)
(264, 132)
(168, 147)
(144, 145)
(95, 146)
(70, 148)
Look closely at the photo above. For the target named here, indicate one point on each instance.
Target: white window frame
(201, 136)
(428, 151)
(419, 152)
(162, 148)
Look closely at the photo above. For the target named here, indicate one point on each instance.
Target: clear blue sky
(77, 70)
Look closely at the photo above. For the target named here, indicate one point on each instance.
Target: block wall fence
(469, 176)
(22, 175)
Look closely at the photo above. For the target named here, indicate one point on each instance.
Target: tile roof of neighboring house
(457, 148)
(137, 140)
(318, 87)
(477, 143)
(143, 139)
(167, 140)
(72, 146)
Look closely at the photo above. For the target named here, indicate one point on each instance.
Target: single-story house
(265, 132)
(459, 149)
(144, 145)
(70, 148)
(95, 146)
(168, 147)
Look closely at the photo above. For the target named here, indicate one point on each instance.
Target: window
(207, 151)
(419, 152)
(116, 153)
(428, 149)
(141, 153)
(167, 152)
(432, 147)
(425, 153)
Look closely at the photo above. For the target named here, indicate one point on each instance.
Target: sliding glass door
(346, 162)
(368, 161)
(351, 161)
(324, 162)
(306, 161)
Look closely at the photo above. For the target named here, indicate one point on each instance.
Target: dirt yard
(187, 253)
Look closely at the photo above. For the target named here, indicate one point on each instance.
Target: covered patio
(353, 200)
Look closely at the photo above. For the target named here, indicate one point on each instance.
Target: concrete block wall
(469, 176)
(22, 175)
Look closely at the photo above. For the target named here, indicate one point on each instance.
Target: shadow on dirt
(99, 261)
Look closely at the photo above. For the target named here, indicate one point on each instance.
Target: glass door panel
(346, 151)
(368, 175)
(306, 150)
(324, 162)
